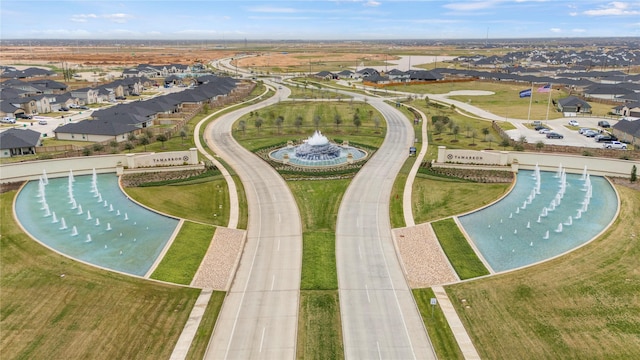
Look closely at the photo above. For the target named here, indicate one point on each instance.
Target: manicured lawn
(319, 329)
(436, 198)
(182, 260)
(57, 308)
(583, 305)
(205, 330)
(437, 326)
(206, 202)
(460, 254)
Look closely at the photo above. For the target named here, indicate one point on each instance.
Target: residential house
(345, 74)
(325, 75)
(365, 72)
(627, 131)
(607, 92)
(85, 95)
(396, 75)
(18, 141)
(575, 105)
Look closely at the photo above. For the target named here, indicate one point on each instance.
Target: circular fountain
(317, 150)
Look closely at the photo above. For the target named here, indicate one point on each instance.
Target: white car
(8, 120)
(544, 131)
(615, 145)
(573, 123)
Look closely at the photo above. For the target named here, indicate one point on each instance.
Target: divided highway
(259, 317)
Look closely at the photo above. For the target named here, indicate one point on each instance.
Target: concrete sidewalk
(459, 332)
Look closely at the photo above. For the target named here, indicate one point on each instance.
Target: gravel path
(220, 262)
(422, 257)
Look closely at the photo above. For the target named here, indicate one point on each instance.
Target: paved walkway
(459, 332)
(181, 349)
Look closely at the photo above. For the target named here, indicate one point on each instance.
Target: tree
(129, 146)
(144, 141)
(439, 127)
(357, 122)
(426, 100)
(279, 121)
(376, 121)
(86, 151)
(485, 132)
(206, 109)
(132, 137)
(474, 135)
(337, 119)
(162, 138)
(316, 120)
(149, 134)
(298, 122)
(539, 145)
(183, 134)
(242, 126)
(97, 147)
(522, 139)
(634, 176)
(468, 130)
(505, 142)
(258, 124)
(114, 146)
(456, 130)
(451, 124)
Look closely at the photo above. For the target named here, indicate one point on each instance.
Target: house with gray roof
(574, 105)
(627, 131)
(19, 141)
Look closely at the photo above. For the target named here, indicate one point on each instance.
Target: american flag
(545, 89)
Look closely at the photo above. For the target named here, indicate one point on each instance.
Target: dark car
(83, 107)
(63, 109)
(24, 116)
(607, 137)
(553, 135)
(539, 127)
(121, 98)
(604, 124)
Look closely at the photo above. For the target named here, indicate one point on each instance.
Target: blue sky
(317, 20)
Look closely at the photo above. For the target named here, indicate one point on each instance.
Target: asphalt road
(260, 314)
(379, 317)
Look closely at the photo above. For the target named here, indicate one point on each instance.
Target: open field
(583, 305)
(57, 308)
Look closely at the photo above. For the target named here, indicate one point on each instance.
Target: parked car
(42, 122)
(614, 145)
(121, 98)
(544, 131)
(583, 130)
(605, 137)
(63, 109)
(8, 120)
(554, 135)
(83, 107)
(574, 123)
(604, 124)
(24, 116)
(73, 106)
(539, 127)
(590, 133)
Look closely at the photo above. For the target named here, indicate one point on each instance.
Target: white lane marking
(366, 289)
(360, 251)
(278, 244)
(262, 339)
(279, 218)
(273, 281)
(379, 352)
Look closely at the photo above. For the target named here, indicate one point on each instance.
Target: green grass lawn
(205, 330)
(88, 313)
(200, 202)
(440, 333)
(436, 198)
(319, 330)
(182, 260)
(583, 305)
(460, 254)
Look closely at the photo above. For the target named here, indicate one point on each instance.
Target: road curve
(379, 316)
(259, 316)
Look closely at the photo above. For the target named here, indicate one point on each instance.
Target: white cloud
(573, 14)
(579, 30)
(372, 3)
(615, 8)
(555, 30)
(470, 6)
(117, 18)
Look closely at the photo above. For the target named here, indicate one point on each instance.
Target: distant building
(573, 104)
(17, 142)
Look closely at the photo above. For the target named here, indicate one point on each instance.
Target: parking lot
(571, 137)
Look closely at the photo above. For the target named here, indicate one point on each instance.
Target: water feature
(151, 230)
(317, 150)
(558, 218)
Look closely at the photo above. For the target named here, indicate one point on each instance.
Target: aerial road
(259, 317)
(379, 316)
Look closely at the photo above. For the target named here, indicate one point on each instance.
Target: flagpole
(530, 101)
(548, 103)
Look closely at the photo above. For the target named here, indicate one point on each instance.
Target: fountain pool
(545, 215)
(317, 151)
(129, 240)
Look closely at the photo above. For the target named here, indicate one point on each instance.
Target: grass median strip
(205, 330)
(182, 260)
(460, 254)
(440, 334)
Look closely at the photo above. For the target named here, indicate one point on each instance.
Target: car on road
(24, 116)
(574, 123)
(554, 135)
(590, 133)
(63, 109)
(42, 122)
(614, 145)
(604, 124)
(544, 131)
